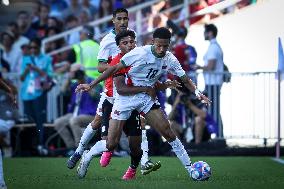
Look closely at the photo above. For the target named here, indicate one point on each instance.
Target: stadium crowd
(20, 55)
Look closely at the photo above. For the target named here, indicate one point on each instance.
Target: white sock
(88, 134)
(144, 148)
(2, 182)
(98, 148)
(181, 153)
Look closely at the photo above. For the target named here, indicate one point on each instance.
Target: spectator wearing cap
(81, 109)
(86, 52)
(10, 53)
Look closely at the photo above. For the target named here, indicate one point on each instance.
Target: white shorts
(124, 105)
(100, 105)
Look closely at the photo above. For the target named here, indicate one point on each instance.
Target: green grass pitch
(228, 172)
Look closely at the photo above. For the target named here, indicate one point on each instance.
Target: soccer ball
(200, 171)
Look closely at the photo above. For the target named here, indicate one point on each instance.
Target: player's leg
(132, 129)
(114, 133)
(147, 165)
(158, 121)
(87, 135)
(135, 154)
(107, 108)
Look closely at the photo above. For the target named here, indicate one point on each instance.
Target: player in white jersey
(146, 65)
(108, 50)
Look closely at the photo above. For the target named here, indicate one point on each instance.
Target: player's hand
(204, 99)
(83, 88)
(151, 92)
(173, 84)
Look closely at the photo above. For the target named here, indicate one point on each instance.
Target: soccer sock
(181, 153)
(135, 159)
(144, 148)
(2, 182)
(98, 148)
(88, 134)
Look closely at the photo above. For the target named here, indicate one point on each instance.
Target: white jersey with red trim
(108, 48)
(146, 68)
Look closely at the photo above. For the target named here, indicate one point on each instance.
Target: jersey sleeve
(104, 51)
(123, 71)
(133, 56)
(175, 67)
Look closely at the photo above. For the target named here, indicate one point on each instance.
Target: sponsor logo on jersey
(164, 67)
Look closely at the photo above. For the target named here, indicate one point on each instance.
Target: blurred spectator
(177, 117)
(72, 22)
(213, 69)
(35, 11)
(56, 7)
(19, 40)
(90, 8)
(105, 9)
(203, 123)
(54, 22)
(40, 26)
(81, 109)
(186, 54)
(86, 52)
(85, 17)
(35, 70)
(24, 21)
(75, 8)
(10, 53)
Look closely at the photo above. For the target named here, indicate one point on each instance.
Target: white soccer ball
(200, 171)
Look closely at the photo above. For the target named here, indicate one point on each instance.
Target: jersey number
(152, 73)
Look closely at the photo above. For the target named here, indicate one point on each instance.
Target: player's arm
(107, 73)
(159, 86)
(192, 87)
(123, 89)
(103, 66)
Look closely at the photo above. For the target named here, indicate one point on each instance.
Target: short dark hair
(211, 28)
(119, 10)
(182, 32)
(37, 41)
(123, 34)
(162, 33)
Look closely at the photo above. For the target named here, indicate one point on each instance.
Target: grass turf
(228, 172)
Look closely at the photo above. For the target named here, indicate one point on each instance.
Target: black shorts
(132, 126)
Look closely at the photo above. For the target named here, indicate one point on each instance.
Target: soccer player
(108, 50)
(145, 64)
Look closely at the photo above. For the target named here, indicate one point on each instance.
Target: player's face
(126, 44)
(120, 21)
(161, 46)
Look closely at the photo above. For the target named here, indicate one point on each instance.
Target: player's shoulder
(108, 38)
(116, 59)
